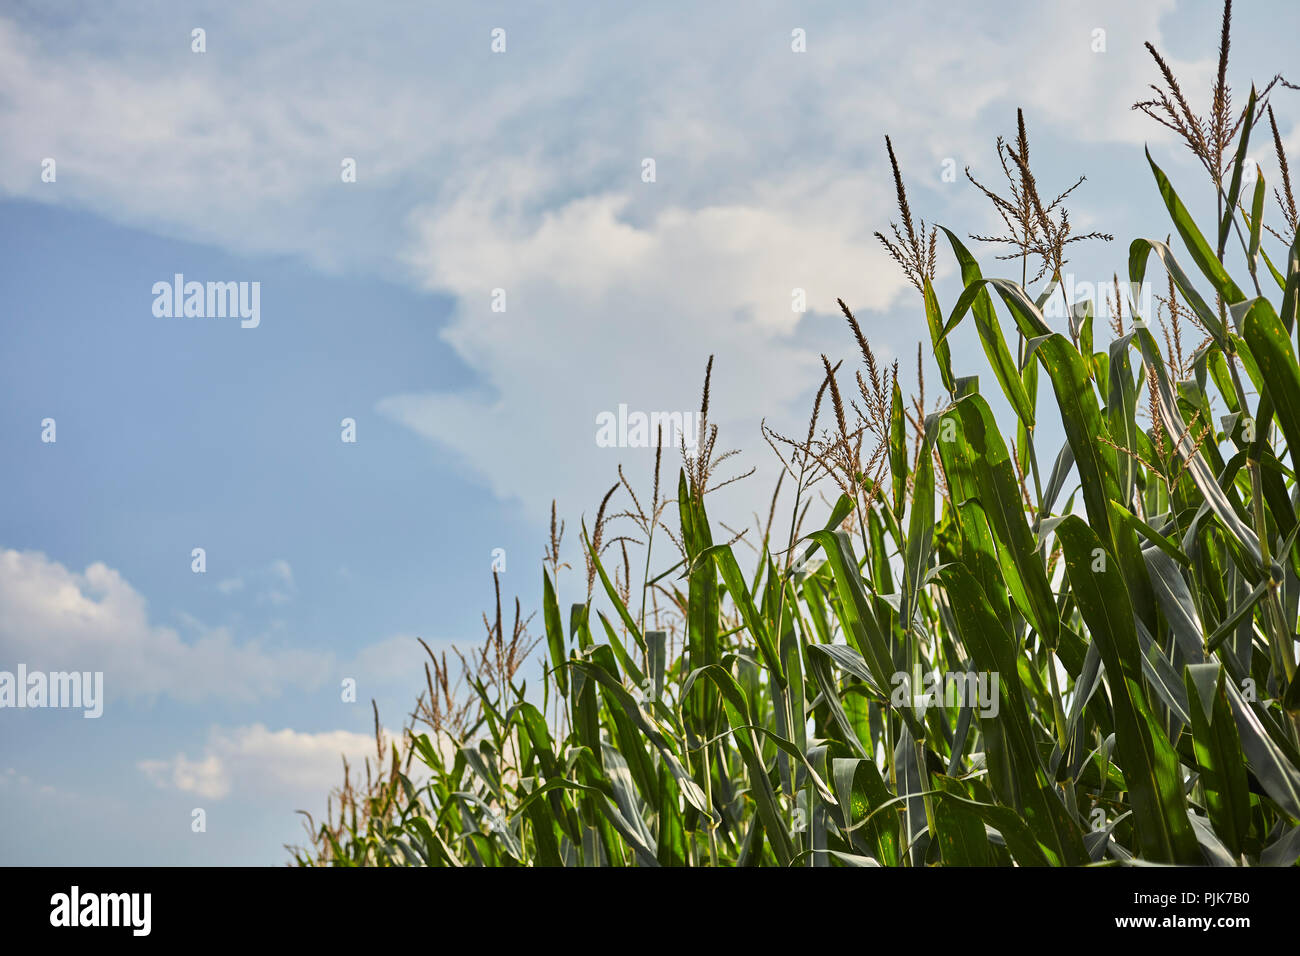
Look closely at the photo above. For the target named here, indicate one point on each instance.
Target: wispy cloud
(57, 619)
(254, 761)
(769, 177)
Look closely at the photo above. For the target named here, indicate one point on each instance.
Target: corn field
(975, 650)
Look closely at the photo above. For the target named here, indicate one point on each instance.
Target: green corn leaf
(990, 333)
(1151, 768)
(942, 351)
(1199, 249)
(1238, 168)
(1219, 755)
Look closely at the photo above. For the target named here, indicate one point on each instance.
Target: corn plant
(980, 651)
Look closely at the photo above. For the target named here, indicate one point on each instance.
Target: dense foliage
(1114, 621)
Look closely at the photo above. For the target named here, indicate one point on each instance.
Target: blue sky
(476, 171)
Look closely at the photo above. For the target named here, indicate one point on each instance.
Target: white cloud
(282, 571)
(281, 587)
(55, 618)
(206, 777)
(11, 781)
(277, 585)
(52, 618)
(395, 661)
(618, 296)
(643, 307)
(253, 761)
(523, 174)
